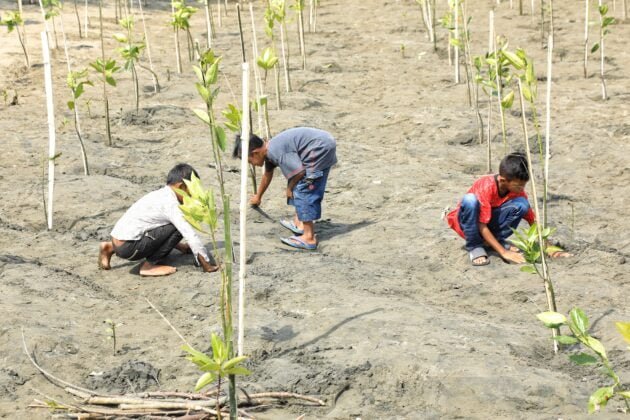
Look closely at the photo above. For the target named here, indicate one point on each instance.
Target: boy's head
(179, 173)
(514, 172)
(257, 150)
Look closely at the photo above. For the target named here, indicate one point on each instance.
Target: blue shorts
(308, 195)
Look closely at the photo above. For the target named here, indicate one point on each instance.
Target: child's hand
(255, 200)
(513, 257)
(205, 265)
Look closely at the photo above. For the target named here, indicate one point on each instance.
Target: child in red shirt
(493, 206)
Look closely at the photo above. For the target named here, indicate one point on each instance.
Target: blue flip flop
(295, 242)
(291, 226)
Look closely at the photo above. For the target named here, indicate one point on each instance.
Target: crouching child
(153, 226)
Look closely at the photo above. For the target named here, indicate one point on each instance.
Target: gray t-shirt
(302, 149)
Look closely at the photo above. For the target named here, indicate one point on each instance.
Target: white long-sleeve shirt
(157, 208)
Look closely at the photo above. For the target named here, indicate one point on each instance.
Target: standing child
(493, 206)
(305, 156)
(153, 226)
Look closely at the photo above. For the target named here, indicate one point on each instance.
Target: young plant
(298, 6)
(216, 367)
(13, 20)
(76, 81)
(181, 21)
(234, 116)
(267, 61)
(111, 331)
(578, 323)
(106, 71)
(130, 53)
(277, 10)
(604, 22)
(52, 9)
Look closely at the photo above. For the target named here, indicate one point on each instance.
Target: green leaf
(508, 100)
(197, 357)
(625, 394)
(608, 21)
(579, 320)
(202, 115)
(566, 339)
(553, 249)
(603, 9)
(238, 370)
(527, 94)
(198, 72)
(120, 38)
(582, 359)
(110, 80)
(528, 269)
(596, 346)
(233, 362)
(514, 59)
(71, 105)
(600, 398)
(455, 42)
(78, 91)
(530, 76)
(221, 137)
(205, 380)
(624, 330)
(203, 92)
(552, 319)
(219, 350)
(595, 48)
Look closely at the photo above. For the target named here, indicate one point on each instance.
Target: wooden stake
(76, 12)
(285, 56)
(301, 34)
(257, 78)
(107, 125)
(242, 273)
(601, 54)
(547, 130)
(586, 38)
(148, 45)
(176, 32)
(41, 7)
(51, 127)
(456, 47)
(551, 300)
(208, 25)
(219, 13)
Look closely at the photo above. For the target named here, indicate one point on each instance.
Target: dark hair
(180, 172)
(255, 142)
(514, 166)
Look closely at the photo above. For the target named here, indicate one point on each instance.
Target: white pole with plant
(51, 128)
(242, 273)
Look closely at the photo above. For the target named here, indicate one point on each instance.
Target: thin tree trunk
(22, 37)
(76, 12)
(301, 33)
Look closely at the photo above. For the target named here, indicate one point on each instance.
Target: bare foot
(184, 248)
(105, 252)
(152, 270)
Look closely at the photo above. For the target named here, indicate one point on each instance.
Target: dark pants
(154, 245)
(503, 220)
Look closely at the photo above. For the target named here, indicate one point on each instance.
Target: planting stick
(76, 12)
(549, 292)
(301, 34)
(257, 79)
(490, 48)
(601, 53)
(310, 15)
(277, 75)
(219, 13)
(51, 127)
(456, 47)
(86, 19)
(499, 92)
(242, 272)
(176, 32)
(547, 130)
(285, 56)
(425, 18)
(208, 25)
(41, 7)
(586, 38)
(532, 8)
(107, 126)
(431, 22)
(551, 17)
(75, 109)
(156, 87)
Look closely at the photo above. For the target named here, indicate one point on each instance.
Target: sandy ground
(387, 318)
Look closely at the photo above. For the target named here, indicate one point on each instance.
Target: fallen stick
(284, 395)
(167, 322)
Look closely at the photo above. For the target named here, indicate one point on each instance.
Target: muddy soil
(387, 318)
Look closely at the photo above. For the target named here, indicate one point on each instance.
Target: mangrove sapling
(111, 332)
(106, 68)
(269, 21)
(539, 229)
(13, 20)
(156, 84)
(279, 13)
(178, 56)
(181, 21)
(215, 367)
(604, 22)
(76, 12)
(52, 8)
(298, 6)
(578, 323)
(130, 52)
(267, 61)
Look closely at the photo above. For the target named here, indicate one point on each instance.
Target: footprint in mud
(131, 376)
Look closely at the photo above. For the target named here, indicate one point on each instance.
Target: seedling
(277, 11)
(298, 7)
(216, 367)
(111, 331)
(106, 68)
(52, 9)
(578, 323)
(181, 21)
(130, 52)
(604, 22)
(13, 20)
(76, 81)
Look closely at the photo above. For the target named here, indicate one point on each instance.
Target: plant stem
(51, 128)
(76, 12)
(285, 56)
(156, 85)
(601, 53)
(586, 3)
(107, 126)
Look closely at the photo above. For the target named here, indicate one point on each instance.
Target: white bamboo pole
(586, 4)
(285, 58)
(532, 8)
(51, 127)
(601, 54)
(208, 24)
(456, 48)
(219, 13)
(41, 7)
(257, 79)
(547, 127)
(176, 33)
(242, 273)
